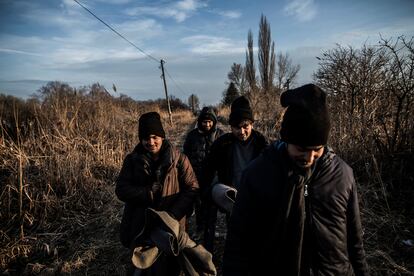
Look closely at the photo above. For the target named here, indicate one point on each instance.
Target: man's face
(304, 157)
(152, 144)
(206, 125)
(243, 130)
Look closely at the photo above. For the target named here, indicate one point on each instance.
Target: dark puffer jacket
(133, 186)
(197, 143)
(261, 239)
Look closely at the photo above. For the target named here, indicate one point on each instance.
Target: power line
(112, 29)
(142, 51)
(176, 84)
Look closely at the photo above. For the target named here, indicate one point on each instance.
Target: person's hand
(156, 187)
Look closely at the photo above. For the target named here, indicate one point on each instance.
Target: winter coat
(197, 143)
(220, 159)
(282, 222)
(197, 146)
(133, 186)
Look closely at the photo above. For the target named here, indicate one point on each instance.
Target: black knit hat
(240, 110)
(306, 121)
(150, 124)
(207, 113)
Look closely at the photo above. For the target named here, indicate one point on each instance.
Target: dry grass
(57, 195)
(59, 213)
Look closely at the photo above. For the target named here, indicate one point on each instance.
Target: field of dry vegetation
(60, 154)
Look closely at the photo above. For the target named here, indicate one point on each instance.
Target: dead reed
(61, 154)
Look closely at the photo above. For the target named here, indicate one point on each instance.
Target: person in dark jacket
(197, 146)
(154, 175)
(296, 211)
(229, 155)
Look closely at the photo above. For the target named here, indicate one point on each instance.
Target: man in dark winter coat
(197, 146)
(229, 155)
(154, 175)
(297, 212)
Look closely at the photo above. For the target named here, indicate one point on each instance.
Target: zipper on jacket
(312, 237)
(308, 207)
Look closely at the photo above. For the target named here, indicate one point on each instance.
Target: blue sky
(48, 40)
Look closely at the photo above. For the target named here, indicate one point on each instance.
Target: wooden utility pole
(166, 92)
(192, 103)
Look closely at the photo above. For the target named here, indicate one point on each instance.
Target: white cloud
(78, 45)
(179, 11)
(140, 29)
(116, 2)
(23, 45)
(90, 46)
(370, 36)
(81, 38)
(187, 5)
(68, 17)
(203, 44)
(302, 10)
(178, 15)
(13, 51)
(83, 2)
(230, 14)
(69, 3)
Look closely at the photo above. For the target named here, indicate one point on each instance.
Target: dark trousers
(210, 227)
(200, 214)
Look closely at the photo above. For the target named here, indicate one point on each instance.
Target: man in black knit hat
(154, 175)
(296, 211)
(197, 146)
(228, 156)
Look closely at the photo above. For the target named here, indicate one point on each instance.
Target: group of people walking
(291, 206)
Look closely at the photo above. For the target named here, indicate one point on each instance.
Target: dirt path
(100, 252)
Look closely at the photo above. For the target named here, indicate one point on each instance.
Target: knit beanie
(240, 110)
(207, 113)
(306, 121)
(150, 124)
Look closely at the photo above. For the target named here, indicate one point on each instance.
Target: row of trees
(64, 103)
(368, 86)
(275, 73)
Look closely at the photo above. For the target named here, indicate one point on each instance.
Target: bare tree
(286, 72)
(372, 86)
(193, 103)
(238, 77)
(230, 94)
(260, 95)
(250, 66)
(266, 55)
(400, 84)
(343, 72)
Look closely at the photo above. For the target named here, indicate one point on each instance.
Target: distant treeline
(18, 115)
